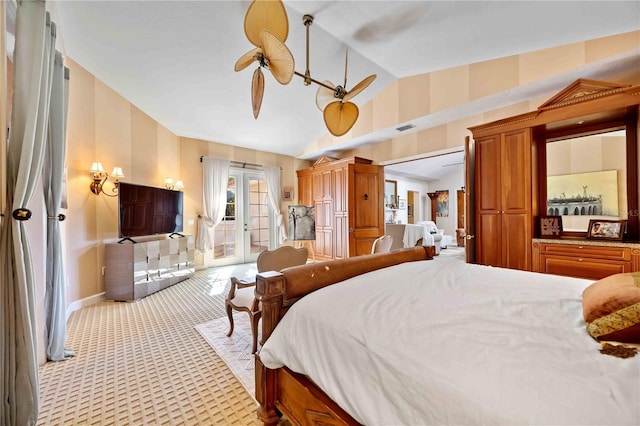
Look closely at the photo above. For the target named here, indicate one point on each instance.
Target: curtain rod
(244, 164)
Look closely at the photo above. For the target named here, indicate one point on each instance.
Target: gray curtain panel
(55, 294)
(33, 60)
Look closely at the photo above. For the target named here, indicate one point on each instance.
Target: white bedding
(442, 342)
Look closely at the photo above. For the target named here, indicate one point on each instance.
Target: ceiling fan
(340, 114)
(267, 27)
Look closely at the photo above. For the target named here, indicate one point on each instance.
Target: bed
(400, 339)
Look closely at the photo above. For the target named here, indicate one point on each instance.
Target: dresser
(136, 270)
(584, 258)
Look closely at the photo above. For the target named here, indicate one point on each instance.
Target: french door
(248, 226)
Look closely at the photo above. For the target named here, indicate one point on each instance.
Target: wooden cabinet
(503, 203)
(133, 271)
(506, 179)
(584, 259)
(348, 197)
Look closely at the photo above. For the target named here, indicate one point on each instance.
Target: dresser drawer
(582, 267)
(598, 252)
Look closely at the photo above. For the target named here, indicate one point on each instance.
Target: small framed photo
(550, 226)
(600, 229)
(287, 193)
(402, 204)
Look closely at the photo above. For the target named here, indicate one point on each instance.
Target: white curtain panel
(33, 59)
(274, 191)
(215, 178)
(55, 294)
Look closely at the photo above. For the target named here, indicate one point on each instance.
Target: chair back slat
(282, 257)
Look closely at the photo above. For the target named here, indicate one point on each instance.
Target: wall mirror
(586, 179)
(591, 175)
(391, 194)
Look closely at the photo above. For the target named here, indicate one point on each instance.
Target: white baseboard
(87, 301)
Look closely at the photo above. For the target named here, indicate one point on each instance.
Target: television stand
(133, 271)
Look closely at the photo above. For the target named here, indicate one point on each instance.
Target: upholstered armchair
(437, 234)
(241, 295)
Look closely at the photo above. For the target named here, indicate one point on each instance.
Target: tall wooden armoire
(507, 183)
(348, 196)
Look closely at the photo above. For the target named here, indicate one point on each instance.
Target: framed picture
(550, 226)
(302, 223)
(402, 204)
(287, 193)
(606, 229)
(442, 203)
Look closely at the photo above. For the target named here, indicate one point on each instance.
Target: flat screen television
(146, 210)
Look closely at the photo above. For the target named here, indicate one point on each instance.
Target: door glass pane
(259, 229)
(224, 239)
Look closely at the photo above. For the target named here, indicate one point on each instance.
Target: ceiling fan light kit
(267, 27)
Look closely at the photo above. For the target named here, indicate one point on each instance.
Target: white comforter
(440, 342)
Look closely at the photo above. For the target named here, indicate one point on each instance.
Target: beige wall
(103, 126)
(190, 152)
(414, 97)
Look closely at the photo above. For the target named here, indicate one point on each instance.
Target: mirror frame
(629, 123)
(395, 193)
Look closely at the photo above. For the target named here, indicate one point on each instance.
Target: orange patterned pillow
(611, 308)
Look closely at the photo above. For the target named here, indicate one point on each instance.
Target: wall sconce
(99, 177)
(178, 185)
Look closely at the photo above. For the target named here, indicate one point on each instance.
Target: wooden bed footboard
(293, 394)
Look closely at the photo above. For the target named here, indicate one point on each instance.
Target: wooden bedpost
(270, 291)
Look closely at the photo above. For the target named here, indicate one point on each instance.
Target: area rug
(234, 350)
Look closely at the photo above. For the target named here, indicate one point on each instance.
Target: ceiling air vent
(405, 127)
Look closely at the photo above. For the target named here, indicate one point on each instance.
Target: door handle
(470, 237)
(350, 230)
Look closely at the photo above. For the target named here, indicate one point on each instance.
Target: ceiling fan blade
(281, 62)
(266, 14)
(257, 91)
(246, 59)
(324, 96)
(359, 87)
(339, 117)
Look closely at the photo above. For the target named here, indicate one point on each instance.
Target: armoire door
(503, 220)
(323, 202)
(516, 200)
(488, 174)
(366, 207)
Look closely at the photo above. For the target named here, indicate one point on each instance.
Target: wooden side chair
(241, 295)
(382, 244)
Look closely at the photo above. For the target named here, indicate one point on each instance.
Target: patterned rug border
(235, 350)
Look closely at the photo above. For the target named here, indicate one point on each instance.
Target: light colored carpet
(453, 251)
(143, 363)
(234, 350)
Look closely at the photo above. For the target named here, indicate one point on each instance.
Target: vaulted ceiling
(174, 59)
